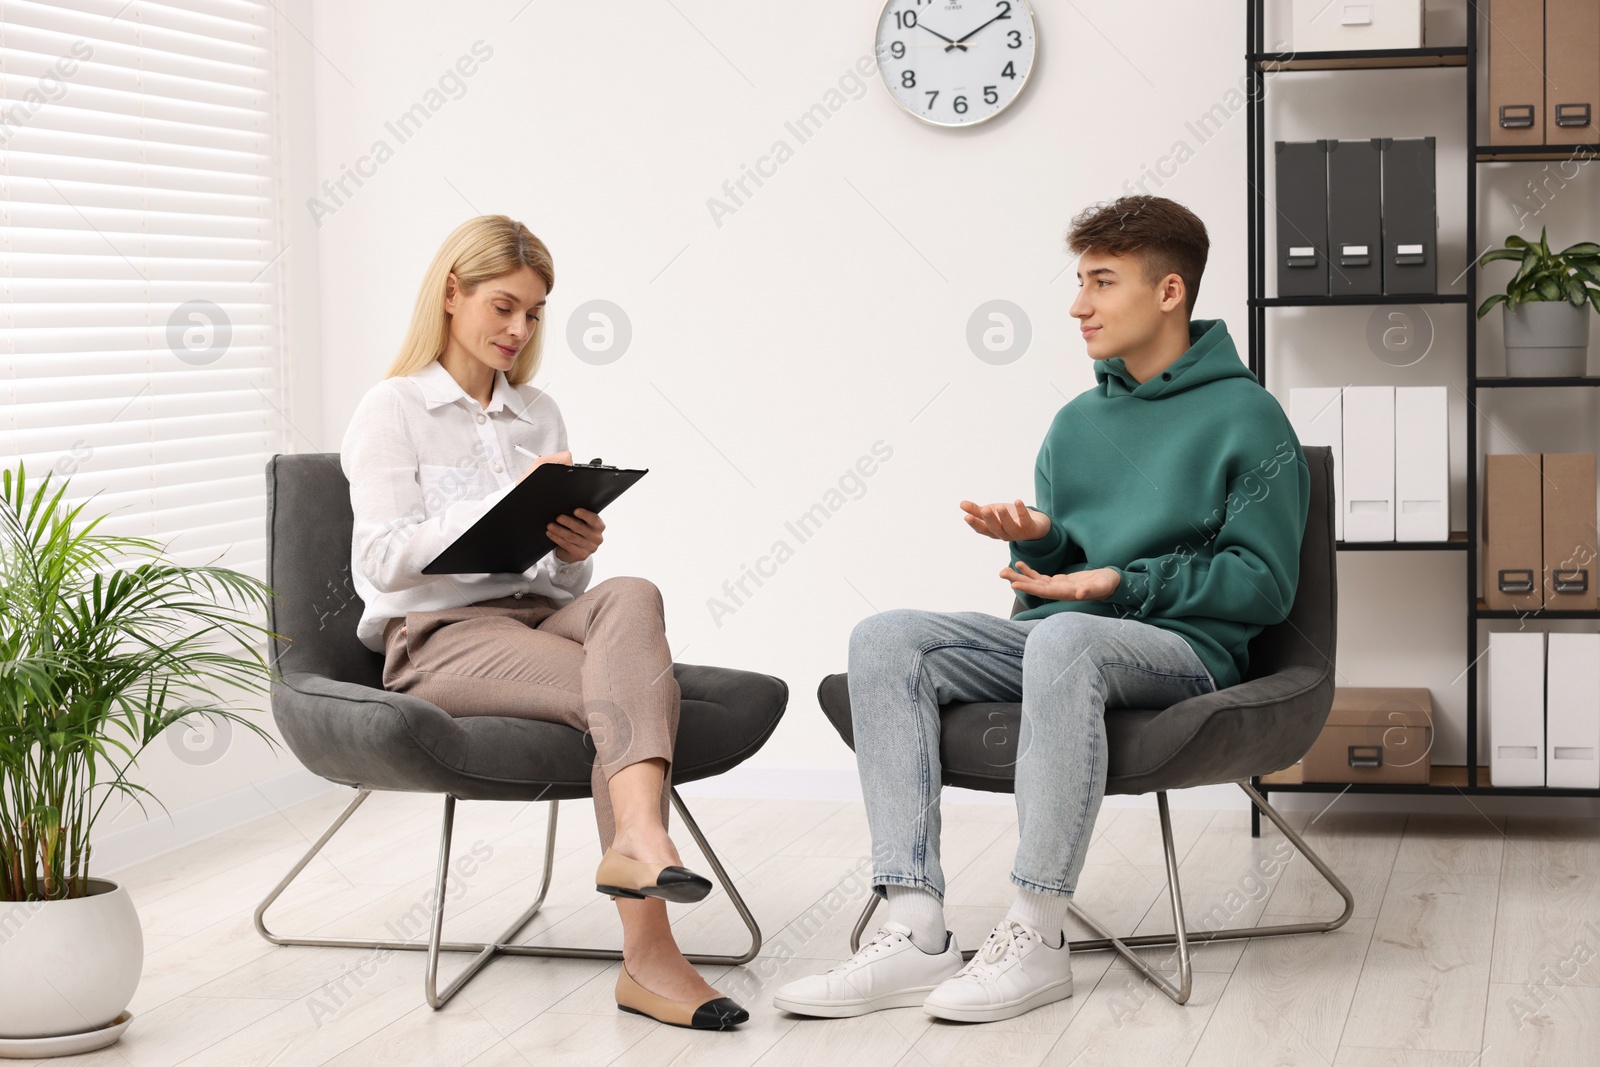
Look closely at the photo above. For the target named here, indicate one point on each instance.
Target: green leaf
(1582, 248)
(1516, 242)
(1499, 254)
(1594, 298)
(1530, 264)
(1498, 298)
(1549, 289)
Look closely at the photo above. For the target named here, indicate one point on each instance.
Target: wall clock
(955, 62)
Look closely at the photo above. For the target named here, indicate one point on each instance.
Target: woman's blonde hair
(482, 248)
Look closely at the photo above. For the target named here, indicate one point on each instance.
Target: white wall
(774, 348)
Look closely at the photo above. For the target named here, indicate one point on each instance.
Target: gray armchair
(1263, 724)
(335, 716)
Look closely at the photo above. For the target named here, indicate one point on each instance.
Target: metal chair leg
(483, 952)
(1180, 988)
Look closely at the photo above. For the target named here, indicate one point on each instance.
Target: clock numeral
(960, 104)
(898, 49)
(990, 96)
(1005, 10)
(908, 79)
(933, 94)
(1016, 38)
(905, 20)
(1008, 71)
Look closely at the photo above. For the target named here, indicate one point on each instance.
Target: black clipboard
(510, 538)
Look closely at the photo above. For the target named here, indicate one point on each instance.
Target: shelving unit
(1471, 779)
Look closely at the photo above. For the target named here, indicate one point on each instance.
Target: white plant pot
(1547, 338)
(68, 966)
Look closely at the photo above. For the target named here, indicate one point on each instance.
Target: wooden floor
(1456, 916)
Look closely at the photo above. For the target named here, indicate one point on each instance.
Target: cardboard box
(1513, 551)
(1572, 711)
(1321, 26)
(1421, 463)
(1317, 417)
(1374, 734)
(1516, 72)
(1569, 531)
(1572, 71)
(1369, 462)
(1516, 708)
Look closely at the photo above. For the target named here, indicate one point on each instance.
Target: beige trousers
(599, 663)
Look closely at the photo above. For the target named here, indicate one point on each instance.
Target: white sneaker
(887, 972)
(1014, 972)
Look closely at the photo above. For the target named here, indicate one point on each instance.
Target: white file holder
(1317, 417)
(1421, 463)
(1572, 717)
(1516, 708)
(1369, 463)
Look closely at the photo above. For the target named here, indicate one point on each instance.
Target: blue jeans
(1065, 669)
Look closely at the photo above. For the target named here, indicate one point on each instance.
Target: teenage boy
(1165, 533)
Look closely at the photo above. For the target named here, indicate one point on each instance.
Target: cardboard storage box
(1569, 531)
(1374, 734)
(1572, 71)
(1515, 44)
(1513, 557)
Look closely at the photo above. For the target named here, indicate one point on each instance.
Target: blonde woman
(429, 450)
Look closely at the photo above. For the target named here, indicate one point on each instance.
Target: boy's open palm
(1006, 522)
(1094, 584)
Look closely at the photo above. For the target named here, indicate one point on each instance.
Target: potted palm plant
(1546, 305)
(97, 658)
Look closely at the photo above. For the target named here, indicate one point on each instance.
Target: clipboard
(510, 537)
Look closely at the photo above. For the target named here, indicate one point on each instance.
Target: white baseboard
(120, 848)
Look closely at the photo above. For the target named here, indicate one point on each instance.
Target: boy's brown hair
(1164, 236)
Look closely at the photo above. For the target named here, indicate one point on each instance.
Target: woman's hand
(554, 457)
(576, 535)
(1006, 522)
(1079, 585)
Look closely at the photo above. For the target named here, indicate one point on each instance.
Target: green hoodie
(1184, 484)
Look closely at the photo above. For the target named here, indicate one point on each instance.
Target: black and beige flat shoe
(621, 876)
(718, 1013)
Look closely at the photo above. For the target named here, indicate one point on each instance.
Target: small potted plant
(97, 658)
(1546, 306)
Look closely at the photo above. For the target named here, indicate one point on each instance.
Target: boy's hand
(1006, 522)
(1079, 585)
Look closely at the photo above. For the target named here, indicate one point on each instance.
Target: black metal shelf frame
(1259, 63)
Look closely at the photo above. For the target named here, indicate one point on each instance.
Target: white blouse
(425, 461)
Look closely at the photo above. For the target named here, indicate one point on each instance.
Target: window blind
(140, 265)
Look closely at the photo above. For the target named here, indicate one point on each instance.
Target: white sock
(1045, 912)
(920, 910)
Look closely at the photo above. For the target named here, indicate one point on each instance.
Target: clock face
(955, 62)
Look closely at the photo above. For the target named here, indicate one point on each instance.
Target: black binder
(1410, 217)
(1302, 210)
(510, 537)
(1355, 199)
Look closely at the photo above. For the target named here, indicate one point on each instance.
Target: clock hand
(962, 43)
(942, 37)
